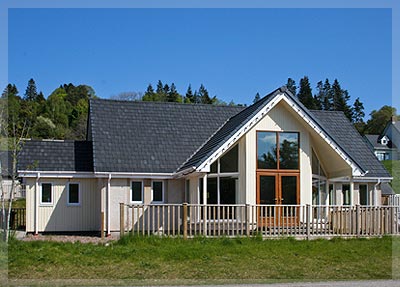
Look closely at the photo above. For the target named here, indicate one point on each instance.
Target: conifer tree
(31, 92)
(189, 97)
(204, 97)
(256, 98)
(340, 100)
(149, 94)
(173, 95)
(305, 94)
(291, 85)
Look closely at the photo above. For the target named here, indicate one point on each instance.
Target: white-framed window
(46, 193)
(136, 191)
(74, 194)
(363, 194)
(332, 194)
(157, 191)
(346, 194)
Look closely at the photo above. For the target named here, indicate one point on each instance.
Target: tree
(358, 115)
(305, 94)
(340, 100)
(327, 101)
(149, 95)
(291, 86)
(31, 91)
(189, 97)
(204, 97)
(256, 98)
(173, 95)
(377, 123)
(319, 97)
(127, 96)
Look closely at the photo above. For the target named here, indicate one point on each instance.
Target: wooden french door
(281, 190)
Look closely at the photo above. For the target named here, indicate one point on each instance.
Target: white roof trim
(205, 166)
(75, 174)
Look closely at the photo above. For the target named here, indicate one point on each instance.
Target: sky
(235, 53)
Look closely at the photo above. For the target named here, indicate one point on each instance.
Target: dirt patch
(70, 238)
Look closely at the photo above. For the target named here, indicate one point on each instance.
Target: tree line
(63, 114)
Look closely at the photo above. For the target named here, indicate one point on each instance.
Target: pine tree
(305, 94)
(31, 92)
(173, 95)
(327, 102)
(358, 115)
(319, 97)
(340, 100)
(10, 89)
(203, 95)
(189, 97)
(291, 85)
(149, 94)
(256, 98)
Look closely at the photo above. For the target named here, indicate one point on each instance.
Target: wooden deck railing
(18, 218)
(306, 221)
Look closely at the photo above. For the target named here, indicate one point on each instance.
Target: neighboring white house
(272, 152)
(386, 145)
(6, 172)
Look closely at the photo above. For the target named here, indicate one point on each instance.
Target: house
(386, 145)
(6, 175)
(273, 152)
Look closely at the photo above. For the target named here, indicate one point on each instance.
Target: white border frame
(79, 195)
(163, 192)
(130, 192)
(41, 203)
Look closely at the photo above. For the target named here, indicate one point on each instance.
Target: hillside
(394, 168)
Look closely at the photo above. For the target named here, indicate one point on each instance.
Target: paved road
(372, 283)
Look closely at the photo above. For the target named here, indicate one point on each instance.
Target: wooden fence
(188, 220)
(18, 218)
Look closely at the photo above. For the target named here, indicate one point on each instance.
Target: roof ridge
(163, 103)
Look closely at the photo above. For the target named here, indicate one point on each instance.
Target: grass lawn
(393, 166)
(203, 260)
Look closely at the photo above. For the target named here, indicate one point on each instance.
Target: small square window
(158, 195)
(73, 194)
(46, 197)
(137, 191)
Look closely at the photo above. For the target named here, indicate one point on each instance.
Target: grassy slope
(203, 259)
(394, 168)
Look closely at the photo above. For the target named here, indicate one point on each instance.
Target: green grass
(176, 260)
(19, 203)
(393, 166)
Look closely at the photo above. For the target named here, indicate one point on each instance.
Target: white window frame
(79, 195)
(131, 195)
(51, 192)
(152, 191)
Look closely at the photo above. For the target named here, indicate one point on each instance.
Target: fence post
(121, 219)
(308, 207)
(184, 220)
(358, 217)
(394, 220)
(247, 220)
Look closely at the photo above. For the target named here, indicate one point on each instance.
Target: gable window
(137, 191)
(319, 181)
(46, 193)
(278, 150)
(363, 193)
(158, 191)
(73, 194)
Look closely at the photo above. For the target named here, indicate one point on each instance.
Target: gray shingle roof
(373, 141)
(228, 130)
(345, 134)
(49, 155)
(386, 189)
(150, 137)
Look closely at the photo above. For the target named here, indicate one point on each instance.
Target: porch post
(351, 191)
(205, 205)
(37, 204)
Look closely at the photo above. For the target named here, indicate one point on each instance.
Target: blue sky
(233, 52)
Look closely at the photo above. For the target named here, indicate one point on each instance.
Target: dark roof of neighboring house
(397, 125)
(56, 155)
(386, 189)
(345, 134)
(150, 137)
(6, 163)
(373, 140)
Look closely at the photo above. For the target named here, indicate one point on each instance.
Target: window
(332, 195)
(187, 191)
(229, 162)
(137, 191)
(272, 146)
(346, 194)
(46, 196)
(73, 194)
(158, 191)
(363, 192)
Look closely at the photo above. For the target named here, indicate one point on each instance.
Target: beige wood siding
(60, 216)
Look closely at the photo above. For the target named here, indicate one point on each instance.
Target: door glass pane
(212, 197)
(289, 189)
(267, 192)
(289, 150)
(201, 190)
(227, 186)
(332, 195)
(266, 150)
(229, 162)
(346, 194)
